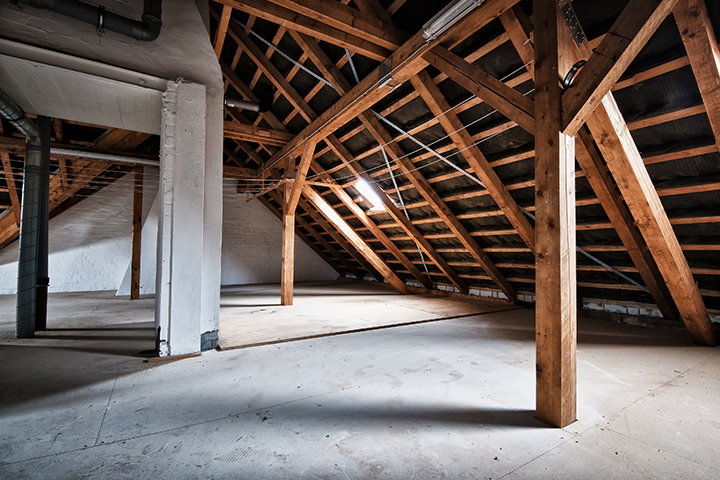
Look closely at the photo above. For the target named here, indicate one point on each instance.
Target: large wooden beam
(315, 28)
(599, 178)
(701, 45)
(461, 138)
(249, 133)
(136, 234)
(504, 99)
(555, 285)
(630, 32)
(626, 165)
(287, 278)
(602, 184)
(357, 241)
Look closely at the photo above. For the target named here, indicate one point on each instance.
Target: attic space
(359, 238)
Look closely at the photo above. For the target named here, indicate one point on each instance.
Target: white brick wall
(252, 245)
(90, 244)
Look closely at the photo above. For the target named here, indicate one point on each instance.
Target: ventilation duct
(28, 262)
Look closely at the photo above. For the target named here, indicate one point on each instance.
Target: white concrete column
(212, 220)
(180, 232)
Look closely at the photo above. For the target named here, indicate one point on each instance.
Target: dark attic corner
(359, 238)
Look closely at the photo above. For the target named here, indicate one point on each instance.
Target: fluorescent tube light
(448, 17)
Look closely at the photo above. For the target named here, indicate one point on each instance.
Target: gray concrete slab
(448, 399)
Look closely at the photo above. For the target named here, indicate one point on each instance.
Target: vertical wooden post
(555, 285)
(136, 234)
(288, 249)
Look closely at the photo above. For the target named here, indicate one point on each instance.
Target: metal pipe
(146, 30)
(65, 152)
(242, 104)
(30, 211)
(42, 280)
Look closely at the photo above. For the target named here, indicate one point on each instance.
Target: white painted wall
(90, 243)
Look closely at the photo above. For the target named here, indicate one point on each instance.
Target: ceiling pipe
(262, 106)
(30, 213)
(105, 157)
(146, 30)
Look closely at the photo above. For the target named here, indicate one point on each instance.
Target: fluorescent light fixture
(448, 17)
(367, 191)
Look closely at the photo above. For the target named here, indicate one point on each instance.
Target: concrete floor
(446, 399)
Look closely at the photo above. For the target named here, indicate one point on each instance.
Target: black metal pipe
(146, 30)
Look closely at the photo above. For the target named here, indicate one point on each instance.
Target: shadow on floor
(50, 364)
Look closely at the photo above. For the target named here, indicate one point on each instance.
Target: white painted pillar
(212, 219)
(180, 233)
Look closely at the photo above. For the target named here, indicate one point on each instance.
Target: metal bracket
(569, 15)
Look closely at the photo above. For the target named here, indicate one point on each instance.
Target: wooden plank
(555, 290)
(347, 19)
(623, 159)
(292, 21)
(666, 117)
(222, 29)
(356, 240)
(287, 278)
(12, 186)
(602, 184)
(633, 28)
(248, 95)
(249, 133)
(504, 99)
(698, 36)
(136, 234)
(461, 138)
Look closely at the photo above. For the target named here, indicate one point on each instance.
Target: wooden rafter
(633, 28)
(315, 28)
(504, 99)
(347, 19)
(357, 241)
(624, 161)
(437, 204)
(313, 233)
(461, 138)
(249, 133)
(701, 45)
(221, 31)
(601, 183)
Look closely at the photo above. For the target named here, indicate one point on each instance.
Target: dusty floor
(446, 399)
